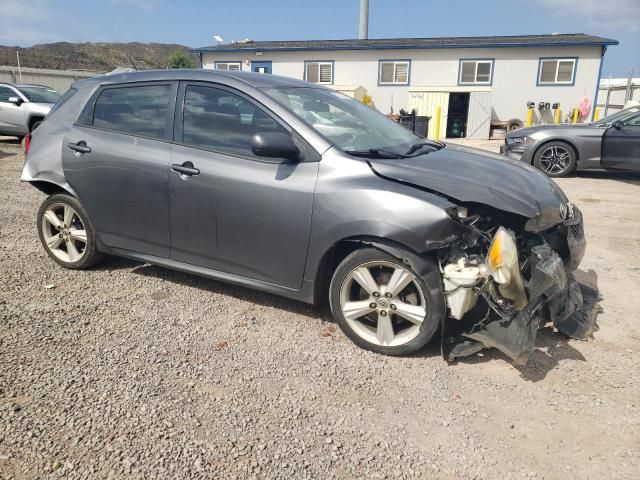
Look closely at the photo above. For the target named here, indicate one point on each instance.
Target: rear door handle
(186, 168)
(80, 147)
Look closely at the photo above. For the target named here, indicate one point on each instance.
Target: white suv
(23, 107)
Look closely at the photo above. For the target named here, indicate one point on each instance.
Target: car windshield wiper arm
(375, 153)
(414, 148)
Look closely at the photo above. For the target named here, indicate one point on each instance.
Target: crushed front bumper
(557, 293)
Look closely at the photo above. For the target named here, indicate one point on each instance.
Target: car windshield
(623, 115)
(352, 126)
(40, 94)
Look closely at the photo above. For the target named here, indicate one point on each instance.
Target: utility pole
(629, 92)
(19, 71)
(363, 33)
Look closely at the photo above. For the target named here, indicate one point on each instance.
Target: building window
(394, 72)
(227, 66)
(319, 72)
(476, 72)
(556, 71)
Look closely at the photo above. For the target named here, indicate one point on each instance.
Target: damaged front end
(506, 276)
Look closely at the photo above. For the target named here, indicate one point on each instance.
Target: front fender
(363, 205)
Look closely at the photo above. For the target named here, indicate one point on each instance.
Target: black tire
(35, 125)
(546, 166)
(430, 285)
(514, 124)
(89, 254)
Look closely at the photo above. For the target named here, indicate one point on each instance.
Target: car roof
(258, 80)
(20, 85)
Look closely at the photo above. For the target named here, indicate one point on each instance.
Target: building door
(457, 114)
(261, 67)
(479, 118)
(426, 103)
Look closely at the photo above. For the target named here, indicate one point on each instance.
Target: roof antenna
(132, 63)
(218, 39)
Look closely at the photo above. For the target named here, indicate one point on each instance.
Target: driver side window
(216, 119)
(632, 122)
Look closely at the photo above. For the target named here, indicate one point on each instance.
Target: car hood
(471, 175)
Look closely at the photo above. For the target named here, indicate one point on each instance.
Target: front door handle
(186, 168)
(80, 147)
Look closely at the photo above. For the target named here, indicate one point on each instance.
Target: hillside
(100, 57)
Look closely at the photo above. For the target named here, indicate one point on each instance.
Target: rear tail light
(27, 144)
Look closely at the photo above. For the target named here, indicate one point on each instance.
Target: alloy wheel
(383, 303)
(555, 159)
(64, 233)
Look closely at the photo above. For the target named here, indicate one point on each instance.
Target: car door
(621, 145)
(116, 158)
(233, 211)
(12, 116)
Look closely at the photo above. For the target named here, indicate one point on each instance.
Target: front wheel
(382, 305)
(66, 233)
(555, 159)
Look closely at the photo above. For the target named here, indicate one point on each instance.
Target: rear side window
(216, 119)
(63, 99)
(141, 110)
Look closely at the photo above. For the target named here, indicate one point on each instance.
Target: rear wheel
(555, 159)
(66, 233)
(382, 305)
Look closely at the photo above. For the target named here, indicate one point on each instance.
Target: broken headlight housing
(503, 266)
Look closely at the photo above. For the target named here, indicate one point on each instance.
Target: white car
(23, 107)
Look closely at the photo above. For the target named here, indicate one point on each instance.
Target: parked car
(23, 107)
(612, 143)
(294, 189)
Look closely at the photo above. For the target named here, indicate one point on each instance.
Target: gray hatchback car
(297, 190)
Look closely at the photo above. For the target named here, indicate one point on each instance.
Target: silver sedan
(612, 143)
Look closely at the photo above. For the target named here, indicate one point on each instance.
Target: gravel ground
(132, 371)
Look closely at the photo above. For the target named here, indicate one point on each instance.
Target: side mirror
(617, 125)
(17, 101)
(274, 145)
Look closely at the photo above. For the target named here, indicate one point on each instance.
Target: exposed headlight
(502, 264)
(522, 140)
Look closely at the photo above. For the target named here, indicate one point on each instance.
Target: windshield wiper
(375, 153)
(416, 147)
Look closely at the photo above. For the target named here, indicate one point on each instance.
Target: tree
(181, 59)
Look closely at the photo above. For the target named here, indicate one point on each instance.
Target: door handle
(186, 168)
(80, 147)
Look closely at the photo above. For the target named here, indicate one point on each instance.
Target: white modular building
(476, 81)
